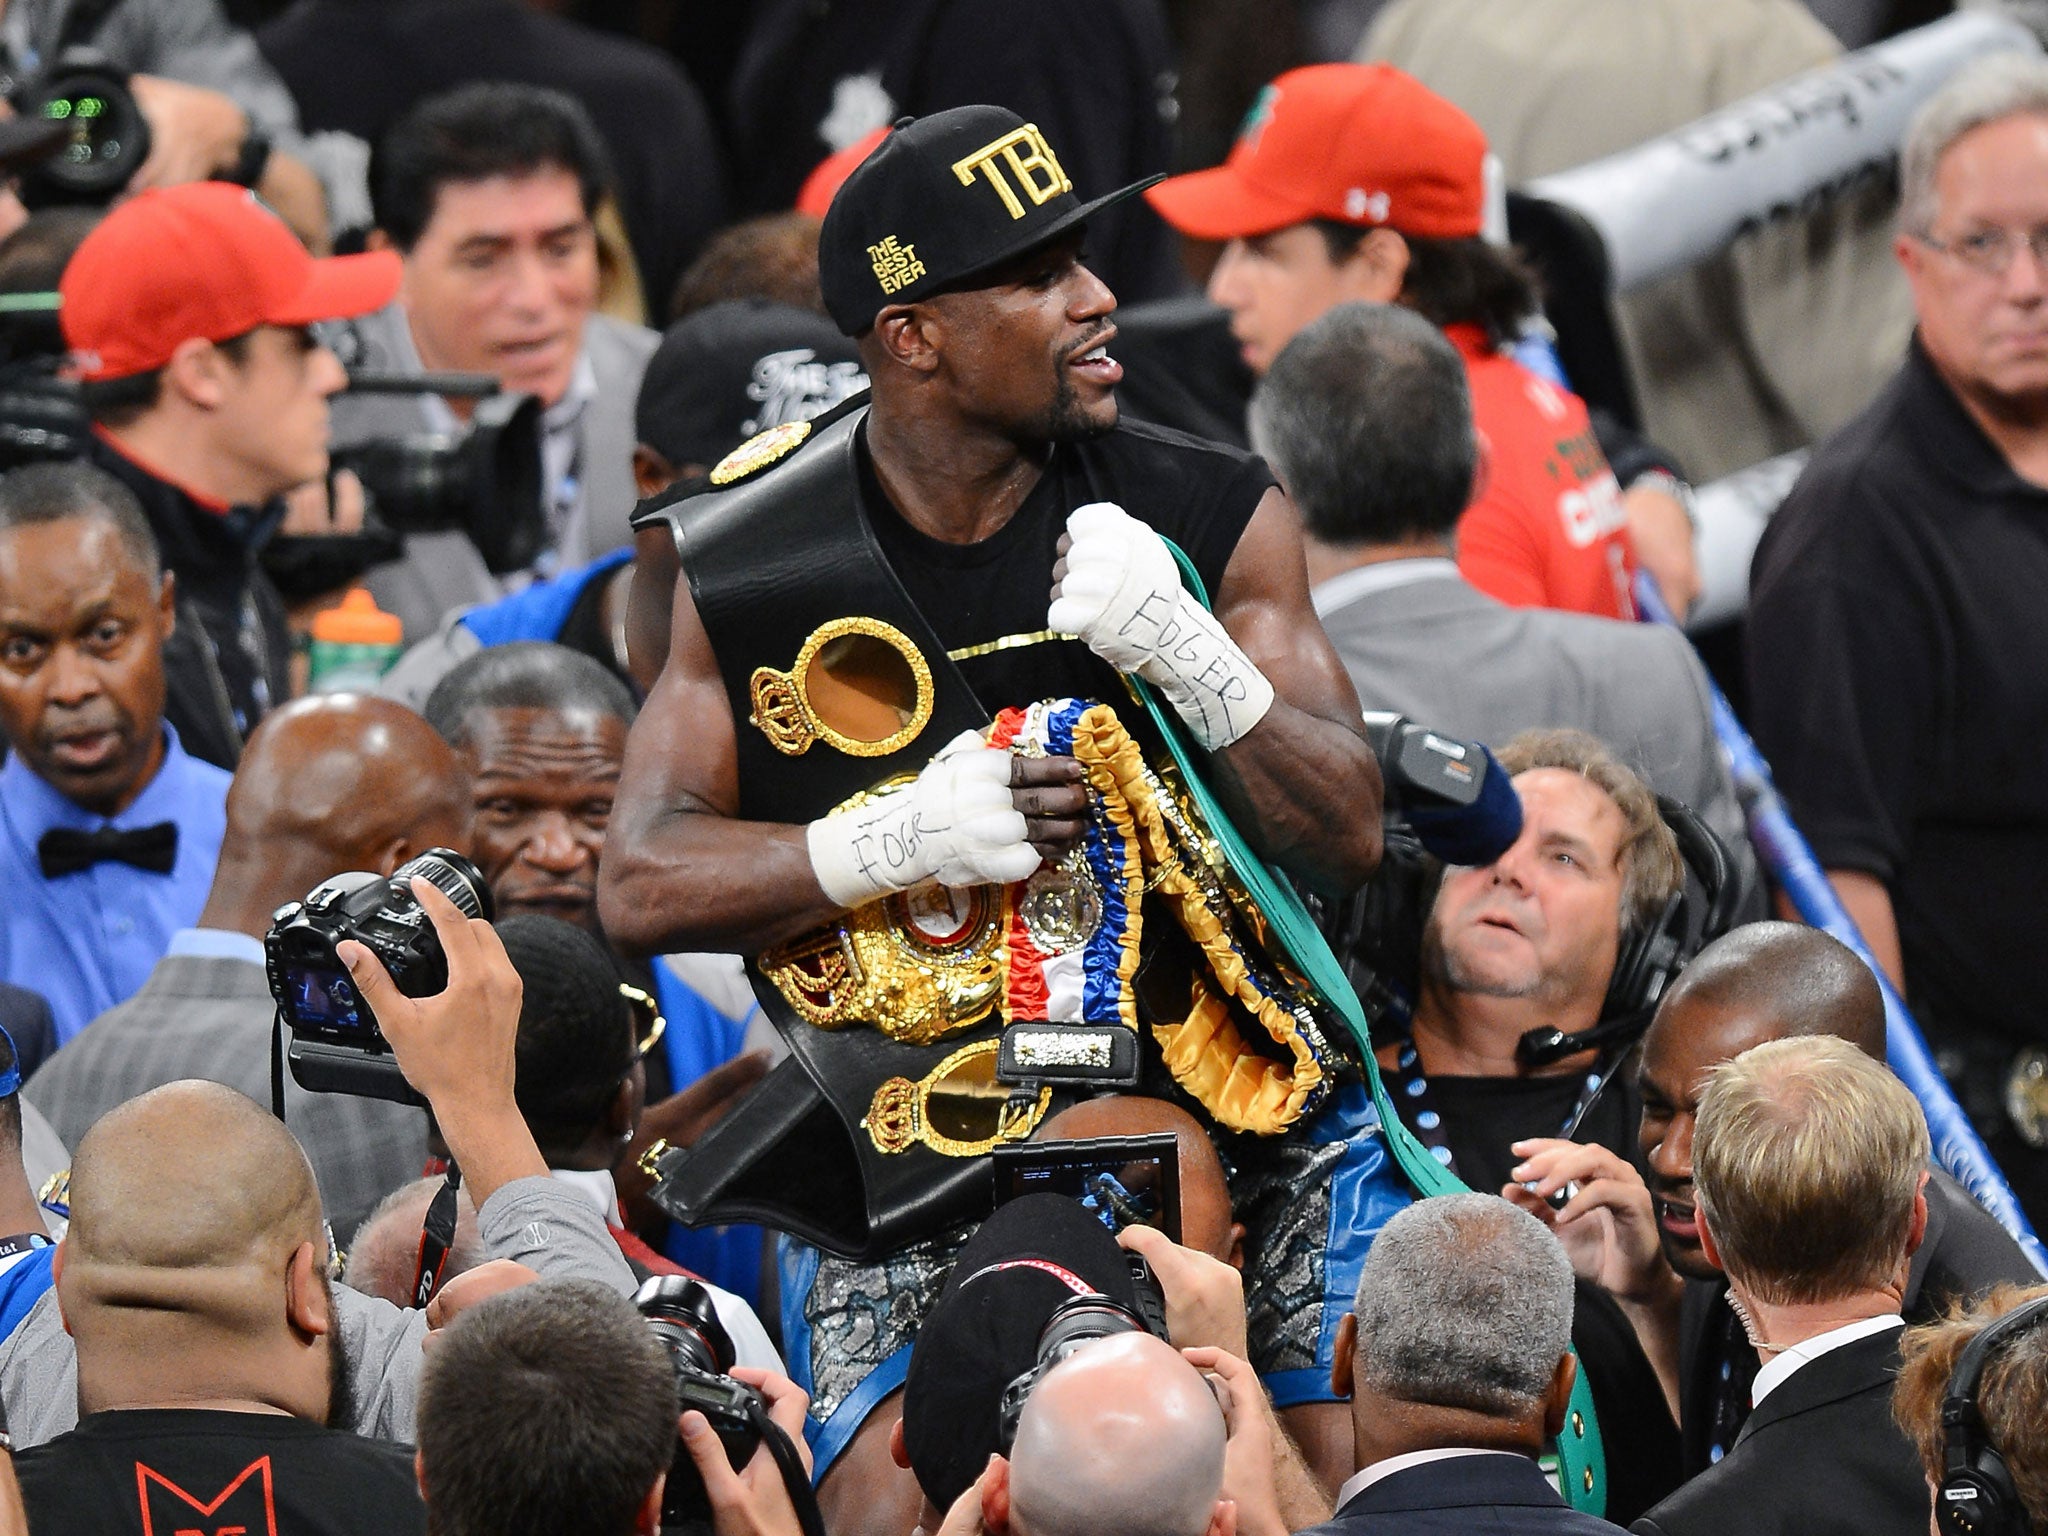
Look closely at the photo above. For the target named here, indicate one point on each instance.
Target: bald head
(194, 1272)
(191, 1176)
(1781, 980)
(384, 1253)
(1124, 1436)
(1205, 1223)
(330, 783)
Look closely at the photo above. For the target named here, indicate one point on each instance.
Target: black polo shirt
(1898, 673)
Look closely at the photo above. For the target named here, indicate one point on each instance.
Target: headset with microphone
(1652, 953)
(1977, 1496)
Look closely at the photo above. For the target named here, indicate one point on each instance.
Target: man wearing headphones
(1534, 972)
(1530, 966)
(1973, 1397)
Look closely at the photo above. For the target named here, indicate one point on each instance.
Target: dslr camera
(680, 1312)
(1083, 1320)
(336, 1046)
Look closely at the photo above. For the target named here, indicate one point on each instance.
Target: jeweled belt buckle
(1093, 1055)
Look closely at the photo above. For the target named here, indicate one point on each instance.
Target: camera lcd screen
(322, 998)
(1123, 1181)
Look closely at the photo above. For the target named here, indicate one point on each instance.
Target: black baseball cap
(942, 199)
(735, 369)
(1034, 1253)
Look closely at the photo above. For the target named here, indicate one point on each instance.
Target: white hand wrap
(957, 823)
(1122, 594)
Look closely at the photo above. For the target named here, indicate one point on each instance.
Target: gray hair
(1465, 1302)
(1367, 417)
(2000, 86)
(59, 492)
(526, 674)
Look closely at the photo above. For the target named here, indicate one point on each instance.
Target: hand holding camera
(1204, 1296)
(742, 1465)
(454, 1046)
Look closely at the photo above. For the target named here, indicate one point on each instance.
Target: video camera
(1450, 794)
(484, 483)
(336, 1046)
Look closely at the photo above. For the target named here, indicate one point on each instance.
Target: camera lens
(681, 1313)
(454, 876)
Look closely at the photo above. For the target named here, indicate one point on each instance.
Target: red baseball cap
(1356, 143)
(830, 173)
(206, 259)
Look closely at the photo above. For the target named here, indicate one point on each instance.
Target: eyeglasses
(648, 1024)
(1990, 251)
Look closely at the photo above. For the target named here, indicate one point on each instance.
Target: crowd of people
(764, 793)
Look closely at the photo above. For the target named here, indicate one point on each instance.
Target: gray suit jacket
(1446, 655)
(442, 571)
(210, 1018)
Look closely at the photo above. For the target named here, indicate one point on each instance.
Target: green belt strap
(1582, 1463)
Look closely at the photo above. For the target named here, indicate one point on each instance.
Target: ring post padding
(1683, 196)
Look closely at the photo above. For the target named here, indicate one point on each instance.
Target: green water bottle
(354, 645)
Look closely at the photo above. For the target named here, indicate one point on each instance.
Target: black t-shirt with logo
(1200, 495)
(163, 1471)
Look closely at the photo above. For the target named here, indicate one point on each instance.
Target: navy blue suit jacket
(1463, 1496)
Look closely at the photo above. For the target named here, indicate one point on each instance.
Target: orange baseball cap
(1355, 143)
(206, 259)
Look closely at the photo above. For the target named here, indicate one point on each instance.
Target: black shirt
(1898, 675)
(1198, 494)
(166, 1470)
(225, 677)
(1096, 76)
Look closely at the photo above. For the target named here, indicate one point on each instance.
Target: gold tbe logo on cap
(1033, 166)
(896, 266)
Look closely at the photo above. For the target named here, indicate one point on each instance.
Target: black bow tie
(64, 851)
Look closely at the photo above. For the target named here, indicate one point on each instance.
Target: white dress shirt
(1781, 1366)
(1365, 1477)
(750, 1343)
(1347, 587)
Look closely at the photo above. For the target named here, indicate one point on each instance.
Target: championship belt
(929, 1027)
(1057, 956)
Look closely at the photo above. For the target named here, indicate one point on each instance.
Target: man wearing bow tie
(108, 830)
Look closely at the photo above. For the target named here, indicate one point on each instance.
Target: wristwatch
(255, 157)
(1664, 481)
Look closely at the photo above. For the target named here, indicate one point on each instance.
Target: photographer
(457, 1049)
(214, 108)
(551, 1411)
(189, 312)
(330, 783)
(983, 1341)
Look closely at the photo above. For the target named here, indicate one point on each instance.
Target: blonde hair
(1806, 1159)
(1652, 872)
